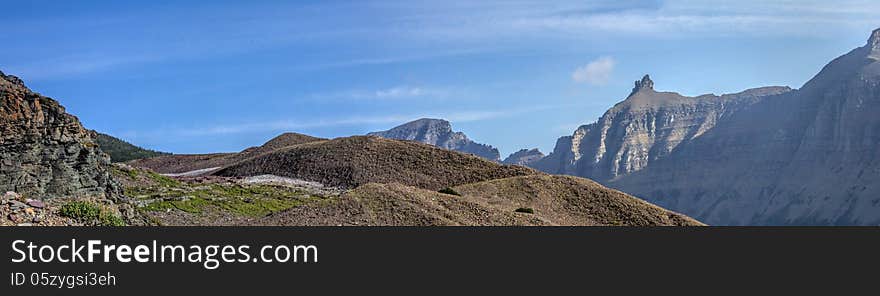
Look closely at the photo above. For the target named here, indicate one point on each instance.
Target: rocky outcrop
(45, 152)
(524, 157)
(439, 133)
(762, 157)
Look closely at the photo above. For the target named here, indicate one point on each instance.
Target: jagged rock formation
(122, 151)
(44, 151)
(761, 157)
(524, 157)
(645, 127)
(439, 133)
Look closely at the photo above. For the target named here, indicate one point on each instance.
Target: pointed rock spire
(645, 83)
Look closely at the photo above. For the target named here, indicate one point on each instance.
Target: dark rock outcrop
(439, 133)
(44, 151)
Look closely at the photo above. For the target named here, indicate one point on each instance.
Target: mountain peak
(438, 132)
(645, 83)
(874, 40)
(429, 121)
(12, 79)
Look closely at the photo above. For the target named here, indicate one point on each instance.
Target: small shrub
(81, 211)
(525, 210)
(449, 191)
(90, 213)
(107, 219)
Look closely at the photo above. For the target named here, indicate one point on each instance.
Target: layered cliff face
(646, 127)
(45, 152)
(762, 157)
(439, 133)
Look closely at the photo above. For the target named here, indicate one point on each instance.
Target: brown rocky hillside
(524, 200)
(182, 163)
(353, 161)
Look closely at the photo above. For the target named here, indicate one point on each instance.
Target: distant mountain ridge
(122, 151)
(438, 132)
(524, 157)
(184, 163)
(648, 125)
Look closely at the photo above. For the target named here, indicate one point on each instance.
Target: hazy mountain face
(763, 156)
(45, 152)
(439, 133)
(524, 157)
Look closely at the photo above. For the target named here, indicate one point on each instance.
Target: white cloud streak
(393, 93)
(433, 29)
(293, 125)
(597, 72)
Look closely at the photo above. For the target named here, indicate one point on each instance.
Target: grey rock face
(524, 157)
(439, 133)
(45, 152)
(874, 44)
(644, 128)
(762, 157)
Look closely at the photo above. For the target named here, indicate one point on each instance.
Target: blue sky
(211, 76)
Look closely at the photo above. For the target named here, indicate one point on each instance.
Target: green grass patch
(90, 213)
(163, 181)
(525, 210)
(449, 191)
(131, 174)
(255, 201)
(192, 205)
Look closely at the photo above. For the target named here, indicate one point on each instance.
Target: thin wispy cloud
(400, 92)
(438, 29)
(597, 72)
(652, 19)
(295, 125)
(68, 66)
